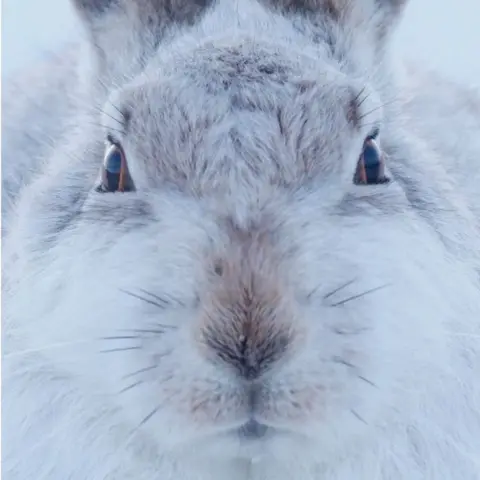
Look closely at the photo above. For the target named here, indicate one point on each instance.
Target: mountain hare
(240, 243)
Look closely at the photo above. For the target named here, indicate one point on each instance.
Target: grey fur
(246, 275)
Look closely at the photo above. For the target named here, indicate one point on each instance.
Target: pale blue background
(444, 34)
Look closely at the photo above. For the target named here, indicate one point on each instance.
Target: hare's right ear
(124, 34)
(95, 15)
(90, 9)
(119, 36)
(391, 11)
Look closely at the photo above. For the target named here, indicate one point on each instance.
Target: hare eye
(115, 176)
(371, 163)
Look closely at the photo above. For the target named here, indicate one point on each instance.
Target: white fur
(385, 386)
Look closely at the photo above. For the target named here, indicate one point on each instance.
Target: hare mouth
(253, 430)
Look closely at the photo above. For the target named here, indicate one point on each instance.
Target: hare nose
(247, 321)
(248, 357)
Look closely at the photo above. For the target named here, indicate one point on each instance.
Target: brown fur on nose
(246, 317)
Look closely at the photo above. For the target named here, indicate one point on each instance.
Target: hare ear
(394, 7)
(91, 9)
(395, 3)
(119, 36)
(390, 12)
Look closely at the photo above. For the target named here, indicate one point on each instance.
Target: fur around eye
(115, 176)
(371, 163)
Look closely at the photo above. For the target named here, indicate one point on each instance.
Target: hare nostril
(249, 362)
(249, 357)
(249, 372)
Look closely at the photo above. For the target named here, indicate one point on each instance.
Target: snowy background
(445, 34)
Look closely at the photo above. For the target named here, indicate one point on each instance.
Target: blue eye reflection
(372, 163)
(113, 160)
(370, 167)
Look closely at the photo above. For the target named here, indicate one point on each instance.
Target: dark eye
(371, 164)
(115, 176)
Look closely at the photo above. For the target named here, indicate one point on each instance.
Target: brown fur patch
(246, 316)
